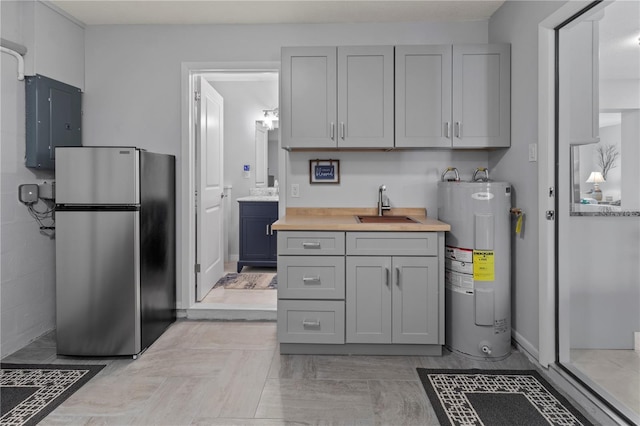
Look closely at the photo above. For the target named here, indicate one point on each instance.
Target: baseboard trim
(524, 345)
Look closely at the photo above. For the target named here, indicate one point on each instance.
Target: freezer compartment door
(97, 175)
(98, 283)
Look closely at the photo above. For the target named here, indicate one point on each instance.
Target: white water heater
(477, 266)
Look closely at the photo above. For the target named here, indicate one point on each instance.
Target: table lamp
(595, 178)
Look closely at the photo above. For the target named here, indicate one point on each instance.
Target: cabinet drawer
(310, 243)
(311, 277)
(310, 321)
(259, 208)
(392, 243)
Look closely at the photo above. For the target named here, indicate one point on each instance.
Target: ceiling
(100, 12)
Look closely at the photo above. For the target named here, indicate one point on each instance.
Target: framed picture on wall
(324, 171)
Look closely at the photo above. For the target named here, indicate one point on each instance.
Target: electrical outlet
(533, 152)
(295, 190)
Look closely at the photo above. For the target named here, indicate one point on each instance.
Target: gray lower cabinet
(361, 292)
(311, 287)
(392, 299)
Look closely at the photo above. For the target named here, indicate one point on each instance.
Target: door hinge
(197, 96)
(550, 215)
(197, 268)
(552, 191)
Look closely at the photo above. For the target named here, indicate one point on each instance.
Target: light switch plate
(533, 152)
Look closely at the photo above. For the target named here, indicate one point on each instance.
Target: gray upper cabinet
(365, 97)
(308, 104)
(439, 96)
(337, 97)
(581, 48)
(481, 95)
(423, 96)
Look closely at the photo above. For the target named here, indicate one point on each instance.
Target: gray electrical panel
(54, 116)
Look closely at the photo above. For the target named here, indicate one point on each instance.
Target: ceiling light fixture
(269, 116)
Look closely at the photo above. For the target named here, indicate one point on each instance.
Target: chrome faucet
(382, 205)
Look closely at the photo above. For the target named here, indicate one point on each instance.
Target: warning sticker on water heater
(483, 265)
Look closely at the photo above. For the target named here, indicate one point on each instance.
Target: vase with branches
(607, 156)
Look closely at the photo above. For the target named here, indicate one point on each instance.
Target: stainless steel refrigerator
(115, 249)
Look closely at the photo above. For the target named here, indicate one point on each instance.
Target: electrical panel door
(54, 116)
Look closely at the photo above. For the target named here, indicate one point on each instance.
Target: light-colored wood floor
(231, 373)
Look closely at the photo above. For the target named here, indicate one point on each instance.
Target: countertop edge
(349, 223)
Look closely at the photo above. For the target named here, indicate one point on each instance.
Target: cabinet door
(365, 97)
(308, 103)
(580, 45)
(423, 96)
(368, 300)
(415, 300)
(255, 241)
(481, 95)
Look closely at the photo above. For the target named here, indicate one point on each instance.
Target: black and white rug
(31, 391)
(496, 397)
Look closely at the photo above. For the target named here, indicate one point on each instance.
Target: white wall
(516, 22)
(410, 177)
(610, 135)
(630, 158)
(243, 105)
(605, 291)
(133, 80)
(27, 292)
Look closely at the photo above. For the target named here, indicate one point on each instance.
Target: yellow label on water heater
(484, 265)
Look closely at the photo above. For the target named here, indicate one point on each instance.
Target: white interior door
(209, 184)
(262, 139)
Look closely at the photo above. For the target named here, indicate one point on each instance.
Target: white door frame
(546, 179)
(186, 291)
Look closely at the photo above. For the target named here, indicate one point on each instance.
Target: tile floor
(231, 373)
(617, 371)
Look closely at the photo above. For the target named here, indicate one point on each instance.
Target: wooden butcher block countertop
(344, 219)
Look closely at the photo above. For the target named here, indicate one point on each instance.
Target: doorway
(598, 203)
(247, 89)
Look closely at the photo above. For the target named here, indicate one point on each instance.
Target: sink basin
(385, 219)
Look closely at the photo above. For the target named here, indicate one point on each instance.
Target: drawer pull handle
(311, 280)
(311, 245)
(311, 323)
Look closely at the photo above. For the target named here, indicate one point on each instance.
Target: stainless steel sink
(385, 219)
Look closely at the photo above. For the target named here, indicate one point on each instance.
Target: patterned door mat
(496, 397)
(31, 391)
(248, 281)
